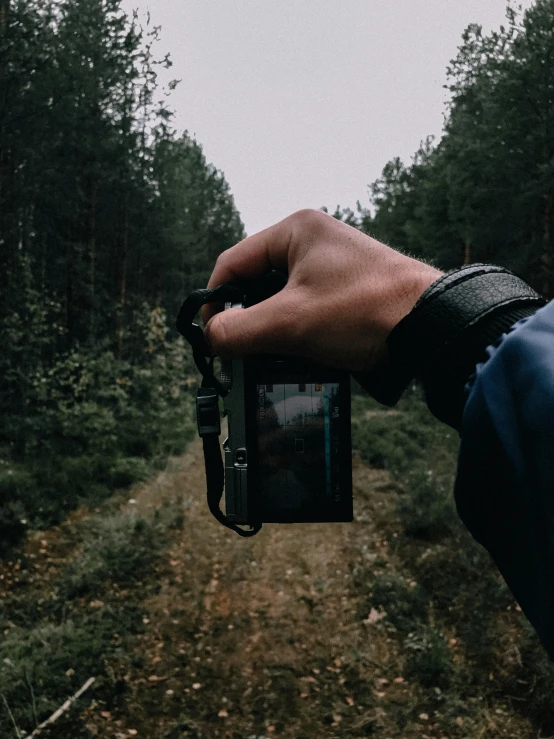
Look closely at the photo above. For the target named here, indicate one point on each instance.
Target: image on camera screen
(298, 444)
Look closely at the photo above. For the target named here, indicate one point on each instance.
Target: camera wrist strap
(444, 336)
(208, 394)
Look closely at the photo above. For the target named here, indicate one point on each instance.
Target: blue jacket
(505, 482)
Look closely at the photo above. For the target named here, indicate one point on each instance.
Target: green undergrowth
(462, 637)
(83, 623)
(117, 550)
(44, 664)
(92, 424)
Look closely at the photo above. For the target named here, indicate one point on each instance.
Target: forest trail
(279, 635)
(262, 637)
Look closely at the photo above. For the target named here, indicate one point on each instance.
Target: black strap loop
(213, 461)
(229, 292)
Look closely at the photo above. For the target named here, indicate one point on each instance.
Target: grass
(119, 549)
(405, 605)
(53, 644)
(429, 658)
(463, 639)
(42, 665)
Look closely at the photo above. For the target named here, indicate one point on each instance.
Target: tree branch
(62, 709)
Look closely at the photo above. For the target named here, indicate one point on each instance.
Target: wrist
(446, 333)
(409, 285)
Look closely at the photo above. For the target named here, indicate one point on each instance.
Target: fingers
(268, 327)
(268, 249)
(255, 255)
(250, 258)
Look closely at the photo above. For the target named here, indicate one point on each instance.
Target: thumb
(267, 328)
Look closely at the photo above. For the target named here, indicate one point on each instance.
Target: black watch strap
(446, 333)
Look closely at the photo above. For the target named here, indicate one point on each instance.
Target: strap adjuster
(207, 411)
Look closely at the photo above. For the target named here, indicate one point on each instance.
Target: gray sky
(301, 102)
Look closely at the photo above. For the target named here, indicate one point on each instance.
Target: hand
(345, 293)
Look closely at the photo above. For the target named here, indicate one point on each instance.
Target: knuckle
(223, 259)
(308, 219)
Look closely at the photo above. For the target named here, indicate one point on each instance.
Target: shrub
(127, 470)
(532, 682)
(14, 482)
(429, 659)
(12, 526)
(400, 438)
(387, 442)
(404, 605)
(427, 508)
(464, 580)
(15, 485)
(91, 423)
(27, 609)
(118, 549)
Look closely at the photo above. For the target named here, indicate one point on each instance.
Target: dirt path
(263, 637)
(275, 636)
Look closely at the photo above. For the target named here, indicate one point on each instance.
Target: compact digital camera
(287, 456)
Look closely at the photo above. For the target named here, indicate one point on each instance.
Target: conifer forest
(118, 591)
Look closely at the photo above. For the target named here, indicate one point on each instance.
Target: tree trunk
(467, 253)
(122, 283)
(4, 158)
(4, 9)
(92, 258)
(70, 276)
(547, 257)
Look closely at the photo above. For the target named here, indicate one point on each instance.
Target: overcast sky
(301, 102)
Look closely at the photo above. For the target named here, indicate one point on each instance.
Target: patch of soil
(266, 636)
(273, 636)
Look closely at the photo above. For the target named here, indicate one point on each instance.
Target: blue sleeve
(505, 482)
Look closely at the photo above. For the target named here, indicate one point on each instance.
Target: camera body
(288, 452)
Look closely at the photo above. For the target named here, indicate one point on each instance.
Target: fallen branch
(17, 733)
(62, 709)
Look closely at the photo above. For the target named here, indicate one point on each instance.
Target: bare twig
(18, 735)
(33, 701)
(62, 709)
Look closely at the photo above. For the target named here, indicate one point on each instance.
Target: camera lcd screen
(299, 447)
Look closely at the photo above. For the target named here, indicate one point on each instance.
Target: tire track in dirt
(274, 636)
(262, 637)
